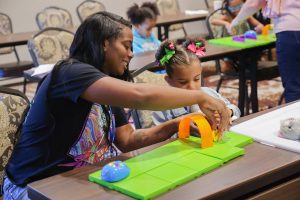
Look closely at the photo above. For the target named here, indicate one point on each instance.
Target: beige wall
(22, 13)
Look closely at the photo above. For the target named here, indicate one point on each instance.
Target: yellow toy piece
(266, 29)
(207, 135)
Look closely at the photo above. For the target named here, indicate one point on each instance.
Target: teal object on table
(162, 169)
(248, 43)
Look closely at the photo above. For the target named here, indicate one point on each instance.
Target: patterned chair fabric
(6, 28)
(144, 117)
(88, 8)
(54, 17)
(12, 110)
(50, 45)
(170, 7)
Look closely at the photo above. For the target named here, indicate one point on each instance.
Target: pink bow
(198, 51)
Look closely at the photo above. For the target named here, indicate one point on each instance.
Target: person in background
(286, 16)
(184, 71)
(75, 118)
(143, 19)
(232, 8)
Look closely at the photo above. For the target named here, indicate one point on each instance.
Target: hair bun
(165, 52)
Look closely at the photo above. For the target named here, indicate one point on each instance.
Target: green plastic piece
(174, 164)
(227, 41)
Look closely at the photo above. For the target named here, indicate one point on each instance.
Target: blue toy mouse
(114, 171)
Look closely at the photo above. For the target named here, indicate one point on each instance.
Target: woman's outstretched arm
(111, 91)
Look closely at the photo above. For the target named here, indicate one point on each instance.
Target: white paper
(265, 128)
(195, 12)
(43, 69)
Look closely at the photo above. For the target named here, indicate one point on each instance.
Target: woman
(69, 123)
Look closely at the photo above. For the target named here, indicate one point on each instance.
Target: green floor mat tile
(223, 151)
(143, 186)
(227, 41)
(237, 140)
(173, 173)
(173, 164)
(199, 162)
(153, 159)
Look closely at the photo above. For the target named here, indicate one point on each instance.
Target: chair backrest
(54, 17)
(170, 7)
(217, 31)
(89, 7)
(13, 108)
(143, 118)
(50, 45)
(6, 28)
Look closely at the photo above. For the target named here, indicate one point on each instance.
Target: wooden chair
(54, 17)
(48, 47)
(170, 7)
(10, 71)
(143, 118)
(13, 109)
(89, 7)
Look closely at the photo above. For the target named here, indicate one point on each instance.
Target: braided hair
(171, 55)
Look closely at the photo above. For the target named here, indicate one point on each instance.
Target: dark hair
(182, 54)
(225, 5)
(137, 15)
(88, 43)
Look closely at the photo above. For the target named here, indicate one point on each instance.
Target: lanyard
(112, 128)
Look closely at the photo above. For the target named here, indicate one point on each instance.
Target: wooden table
(165, 21)
(263, 172)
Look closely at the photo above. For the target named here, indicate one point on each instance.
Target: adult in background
(286, 16)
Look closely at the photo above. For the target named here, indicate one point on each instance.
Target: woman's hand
(216, 112)
(259, 28)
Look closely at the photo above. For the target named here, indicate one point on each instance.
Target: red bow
(199, 51)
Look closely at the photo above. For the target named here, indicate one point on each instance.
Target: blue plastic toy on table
(114, 171)
(250, 35)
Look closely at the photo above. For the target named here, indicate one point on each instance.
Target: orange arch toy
(207, 136)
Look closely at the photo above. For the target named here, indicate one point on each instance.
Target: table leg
(253, 78)
(242, 84)
(166, 33)
(159, 33)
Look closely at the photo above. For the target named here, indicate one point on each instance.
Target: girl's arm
(222, 21)
(111, 91)
(248, 9)
(256, 24)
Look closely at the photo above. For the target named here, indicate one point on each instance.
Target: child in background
(232, 8)
(143, 19)
(184, 71)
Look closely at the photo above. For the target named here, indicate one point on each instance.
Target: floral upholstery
(145, 116)
(88, 8)
(5, 28)
(50, 46)
(169, 7)
(11, 115)
(54, 17)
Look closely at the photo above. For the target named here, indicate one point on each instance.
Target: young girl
(232, 8)
(71, 122)
(184, 71)
(143, 19)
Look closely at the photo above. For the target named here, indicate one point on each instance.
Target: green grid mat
(174, 164)
(227, 41)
